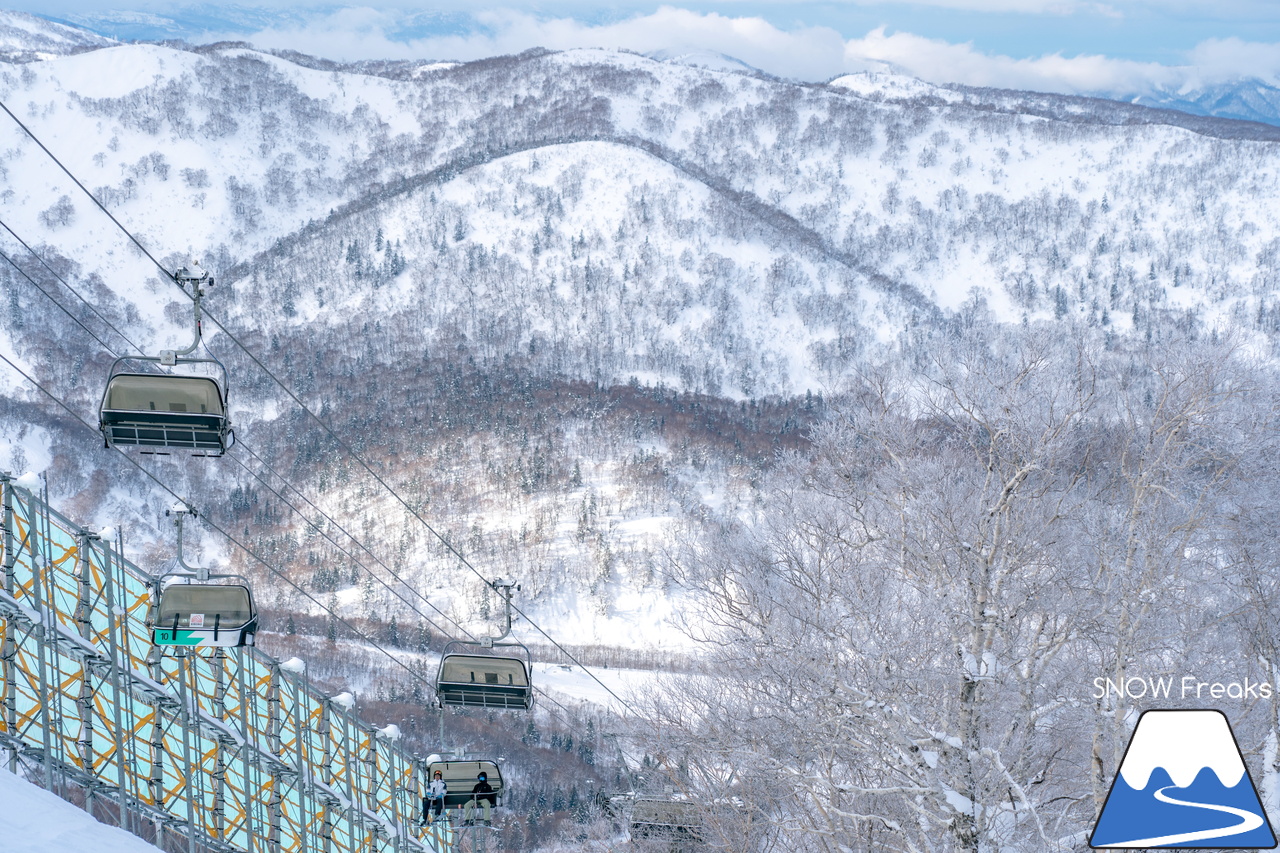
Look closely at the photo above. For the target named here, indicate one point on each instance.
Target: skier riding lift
(483, 792)
(433, 802)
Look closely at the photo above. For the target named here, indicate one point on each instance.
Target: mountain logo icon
(1183, 783)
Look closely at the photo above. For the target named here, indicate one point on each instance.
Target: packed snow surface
(627, 685)
(33, 820)
(883, 85)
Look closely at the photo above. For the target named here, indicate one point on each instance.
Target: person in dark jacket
(483, 793)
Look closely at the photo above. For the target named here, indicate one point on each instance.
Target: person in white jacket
(434, 800)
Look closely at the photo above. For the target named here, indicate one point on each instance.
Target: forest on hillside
(870, 433)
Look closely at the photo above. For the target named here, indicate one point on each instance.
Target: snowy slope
(884, 85)
(24, 38)
(589, 217)
(888, 184)
(708, 59)
(581, 287)
(33, 820)
(572, 684)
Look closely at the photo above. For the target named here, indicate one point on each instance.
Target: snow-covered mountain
(1248, 99)
(644, 336)
(599, 217)
(708, 59)
(189, 23)
(27, 38)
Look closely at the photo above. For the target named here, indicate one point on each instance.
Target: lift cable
(58, 304)
(330, 519)
(318, 529)
(85, 190)
(68, 286)
(225, 533)
(567, 720)
(344, 445)
(404, 503)
(389, 588)
(568, 723)
(275, 473)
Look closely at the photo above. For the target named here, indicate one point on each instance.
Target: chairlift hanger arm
(167, 362)
(195, 276)
(161, 409)
(203, 575)
(485, 643)
(504, 589)
(200, 573)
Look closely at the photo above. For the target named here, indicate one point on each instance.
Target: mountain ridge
(1245, 99)
(591, 216)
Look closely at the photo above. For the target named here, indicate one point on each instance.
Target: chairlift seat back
(163, 410)
(206, 615)
(484, 681)
(461, 776)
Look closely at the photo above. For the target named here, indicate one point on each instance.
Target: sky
(1068, 46)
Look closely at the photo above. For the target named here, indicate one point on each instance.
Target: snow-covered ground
(561, 681)
(32, 820)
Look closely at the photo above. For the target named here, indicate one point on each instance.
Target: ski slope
(32, 820)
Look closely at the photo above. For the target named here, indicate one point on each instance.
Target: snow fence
(216, 750)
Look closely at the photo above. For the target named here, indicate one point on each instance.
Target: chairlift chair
(484, 680)
(460, 777)
(666, 818)
(165, 410)
(207, 615)
(195, 610)
(479, 680)
(162, 409)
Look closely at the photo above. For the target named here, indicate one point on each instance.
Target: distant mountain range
(26, 38)
(1247, 99)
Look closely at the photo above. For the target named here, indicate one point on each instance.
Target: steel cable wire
(289, 392)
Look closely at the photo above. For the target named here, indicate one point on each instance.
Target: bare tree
(906, 630)
(60, 214)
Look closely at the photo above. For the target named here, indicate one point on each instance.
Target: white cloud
(1029, 7)
(346, 35)
(807, 53)
(944, 62)
(1223, 59)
